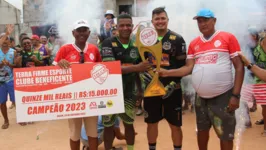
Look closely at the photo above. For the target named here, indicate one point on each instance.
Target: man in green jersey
(122, 48)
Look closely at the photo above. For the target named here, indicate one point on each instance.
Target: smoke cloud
(66, 12)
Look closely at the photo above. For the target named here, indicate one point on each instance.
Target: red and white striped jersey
(212, 73)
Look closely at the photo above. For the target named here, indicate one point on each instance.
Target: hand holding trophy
(146, 41)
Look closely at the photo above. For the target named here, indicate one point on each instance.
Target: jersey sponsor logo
(133, 53)
(167, 45)
(172, 37)
(148, 36)
(119, 53)
(92, 56)
(107, 51)
(207, 59)
(114, 44)
(217, 43)
(100, 73)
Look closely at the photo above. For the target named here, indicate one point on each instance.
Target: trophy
(146, 41)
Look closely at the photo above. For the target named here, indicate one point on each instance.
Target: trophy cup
(146, 40)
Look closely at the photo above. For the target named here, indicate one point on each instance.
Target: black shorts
(157, 108)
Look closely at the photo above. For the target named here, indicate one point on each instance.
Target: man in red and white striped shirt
(210, 58)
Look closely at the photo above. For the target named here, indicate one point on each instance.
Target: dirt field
(54, 135)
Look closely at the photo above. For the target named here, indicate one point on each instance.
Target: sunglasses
(81, 60)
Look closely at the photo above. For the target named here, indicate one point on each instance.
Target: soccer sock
(130, 147)
(177, 147)
(152, 146)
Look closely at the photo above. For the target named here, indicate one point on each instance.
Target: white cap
(81, 23)
(109, 12)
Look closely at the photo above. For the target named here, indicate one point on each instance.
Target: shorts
(170, 108)
(6, 89)
(128, 117)
(90, 124)
(213, 112)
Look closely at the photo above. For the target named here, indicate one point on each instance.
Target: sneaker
(139, 112)
(170, 88)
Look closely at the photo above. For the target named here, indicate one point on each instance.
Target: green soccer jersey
(127, 54)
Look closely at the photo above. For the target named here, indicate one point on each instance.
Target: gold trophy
(146, 42)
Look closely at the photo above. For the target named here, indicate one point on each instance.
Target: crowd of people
(209, 59)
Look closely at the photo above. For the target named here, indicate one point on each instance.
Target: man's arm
(239, 75)
(183, 71)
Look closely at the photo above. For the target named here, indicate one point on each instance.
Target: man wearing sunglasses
(27, 57)
(80, 52)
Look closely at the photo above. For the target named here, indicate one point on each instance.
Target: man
(28, 57)
(80, 52)
(43, 40)
(43, 49)
(7, 57)
(18, 48)
(100, 129)
(210, 58)
(157, 108)
(123, 49)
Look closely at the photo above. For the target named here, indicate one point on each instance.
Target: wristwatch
(250, 66)
(236, 95)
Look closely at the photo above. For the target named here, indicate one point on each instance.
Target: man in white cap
(80, 52)
(107, 24)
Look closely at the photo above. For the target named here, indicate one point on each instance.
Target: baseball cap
(35, 37)
(81, 23)
(205, 13)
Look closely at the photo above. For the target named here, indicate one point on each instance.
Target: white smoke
(233, 16)
(66, 12)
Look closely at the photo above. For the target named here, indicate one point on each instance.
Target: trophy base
(155, 90)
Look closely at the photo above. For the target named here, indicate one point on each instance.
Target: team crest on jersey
(133, 53)
(10, 56)
(167, 46)
(114, 44)
(217, 43)
(73, 57)
(172, 37)
(92, 56)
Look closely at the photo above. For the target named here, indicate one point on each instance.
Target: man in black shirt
(170, 108)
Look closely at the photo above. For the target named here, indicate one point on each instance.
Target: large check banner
(51, 93)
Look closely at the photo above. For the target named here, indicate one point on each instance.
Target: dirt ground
(54, 135)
